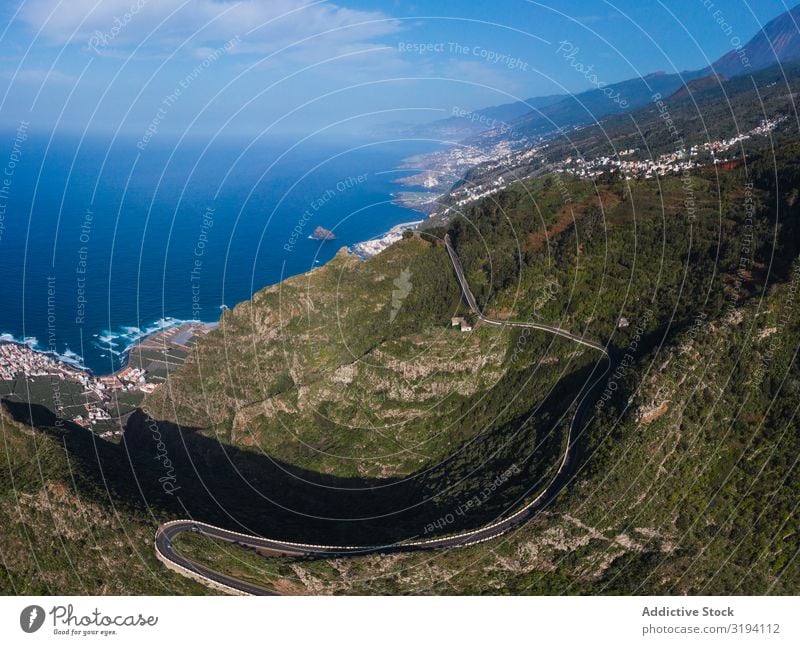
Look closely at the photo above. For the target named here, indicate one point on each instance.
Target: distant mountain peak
(777, 42)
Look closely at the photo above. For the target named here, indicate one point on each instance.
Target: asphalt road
(167, 532)
(470, 300)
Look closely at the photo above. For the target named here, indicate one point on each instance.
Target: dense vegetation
(685, 482)
(696, 440)
(73, 518)
(703, 111)
(343, 403)
(623, 250)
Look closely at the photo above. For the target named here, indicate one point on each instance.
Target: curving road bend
(167, 532)
(470, 299)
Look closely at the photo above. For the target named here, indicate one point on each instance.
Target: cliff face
(689, 490)
(352, 368)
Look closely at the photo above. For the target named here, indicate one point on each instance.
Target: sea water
(102, 243)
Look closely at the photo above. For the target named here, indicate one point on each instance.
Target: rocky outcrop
(322, 234)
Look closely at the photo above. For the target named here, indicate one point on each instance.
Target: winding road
(166, 533)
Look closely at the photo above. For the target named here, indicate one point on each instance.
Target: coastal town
(503, 163)
(629, 164)
(438, 171)
(100, 403)
(441, 169)
(368, 248)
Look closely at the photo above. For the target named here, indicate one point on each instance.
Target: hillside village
(629, 164)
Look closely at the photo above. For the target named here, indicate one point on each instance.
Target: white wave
(30, 341)
(73, 358)
(119, 343)
(68, 356)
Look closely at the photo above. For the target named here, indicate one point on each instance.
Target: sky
(156, 68)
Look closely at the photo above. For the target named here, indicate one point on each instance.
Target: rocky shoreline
(99, 402)
(369, 248)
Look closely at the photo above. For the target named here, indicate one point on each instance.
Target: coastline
(99, 402)
(370, 248)
(434, 173)
(75, 361)
(132, 350)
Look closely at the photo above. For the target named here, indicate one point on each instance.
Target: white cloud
(39, 76)
(263, 25)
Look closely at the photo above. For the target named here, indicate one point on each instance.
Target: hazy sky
(170, 66)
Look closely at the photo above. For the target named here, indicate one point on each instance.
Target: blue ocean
(102, 242)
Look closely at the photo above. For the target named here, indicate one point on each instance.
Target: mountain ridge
(777, 42)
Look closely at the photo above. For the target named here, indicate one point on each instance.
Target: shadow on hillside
(174, 472)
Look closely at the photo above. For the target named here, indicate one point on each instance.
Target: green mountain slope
(343, 407)
(687, 486)
(316, 413)
(686, 478)
(65, 530)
